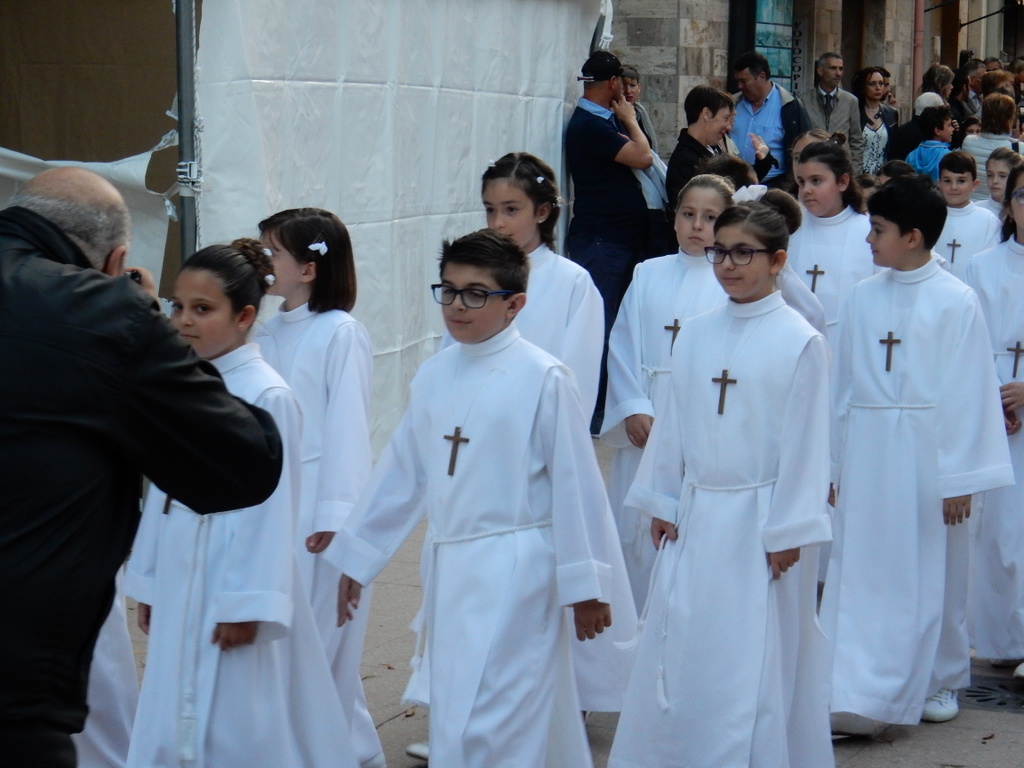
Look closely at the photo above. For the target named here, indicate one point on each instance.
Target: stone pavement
(978, 738)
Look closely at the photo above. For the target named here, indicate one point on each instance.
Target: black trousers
(35, 745)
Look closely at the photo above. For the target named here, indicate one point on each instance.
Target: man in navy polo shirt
(608, 230)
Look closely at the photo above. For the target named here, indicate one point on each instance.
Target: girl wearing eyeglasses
(735, 476)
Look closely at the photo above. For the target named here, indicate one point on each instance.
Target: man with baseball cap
(608, 230)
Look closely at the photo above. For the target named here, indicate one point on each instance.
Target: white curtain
(386, 112)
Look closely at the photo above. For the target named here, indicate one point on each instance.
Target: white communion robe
(113, 692)
(968, 231)
(997, 583)
(327, 360)
(664, 293)
(836, 248)
(714, 685)
(269, 703)
(996, 208)
(564, 316)
(518, 527)
(928, 429)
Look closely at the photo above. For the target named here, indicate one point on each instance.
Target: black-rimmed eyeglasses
(740, 257)
(472, 298)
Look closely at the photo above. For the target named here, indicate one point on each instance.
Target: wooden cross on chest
(814, 276)
(952, 251)
(456, 439)
(675, 332)
(889, 341)
(1017, 352)
(724, 381)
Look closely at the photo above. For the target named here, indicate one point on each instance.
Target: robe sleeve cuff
(138, 587)
(585, 580)
(272, 609)
(651, 503)
(614, 431)
(975, 482)
(355, 558)
(816, 529)
(331, 515)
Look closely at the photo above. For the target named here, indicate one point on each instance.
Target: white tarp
(386, 112)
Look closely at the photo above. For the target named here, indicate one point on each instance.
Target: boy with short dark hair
(494, 449)
(919, 429)
(937, 128)
(969, 228)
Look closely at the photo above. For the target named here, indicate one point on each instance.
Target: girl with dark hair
(232, 641)
(829, 252)
(734, 477)
(325, 355)
(564, 314)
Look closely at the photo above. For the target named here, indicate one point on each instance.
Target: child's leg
(952, 667)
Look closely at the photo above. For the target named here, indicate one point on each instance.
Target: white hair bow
(321, 247)
(749, 194)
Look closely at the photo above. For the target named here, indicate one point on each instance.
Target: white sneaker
(849, 724)
(420, 750)
(1019, 671)
(941, 706)
(376, 761)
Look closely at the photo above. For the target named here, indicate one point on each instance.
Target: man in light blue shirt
(767, 110)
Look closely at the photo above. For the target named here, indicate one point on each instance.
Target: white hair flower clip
(491, 163)
(269, 279)
(540, 179)
(320, 247)
(267, 252)
(749, 194)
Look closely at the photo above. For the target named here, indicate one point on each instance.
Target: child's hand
(1012, 395)
(662, 529)
(349, 592)
(1011, 422)
(145, 613)
(831, 495)
(319, 541)
(591, 617)
(956, 509)
(638, 428)
(233, 634)
(781, 562)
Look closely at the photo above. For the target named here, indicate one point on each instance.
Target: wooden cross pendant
(456, 439)
(675, 332)
(725, 381)
(889, 341)
(952, 249)
(814, 276)
(1017, 352)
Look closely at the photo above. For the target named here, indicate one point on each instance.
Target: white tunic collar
(916, 275)
(236, 358)
(1015, 247)
(496, 343)
(832, 221)
(967, 210)
(687, 260)
(301, 312)
(539, 256)
(763, 306)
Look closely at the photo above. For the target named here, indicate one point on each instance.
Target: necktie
(829, 104)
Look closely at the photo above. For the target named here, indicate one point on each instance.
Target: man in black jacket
(97, 389)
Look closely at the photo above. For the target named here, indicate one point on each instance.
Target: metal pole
(188, 170)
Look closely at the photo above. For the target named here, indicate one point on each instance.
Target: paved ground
(978, 738)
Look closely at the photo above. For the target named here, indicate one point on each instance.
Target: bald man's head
(86, 207)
